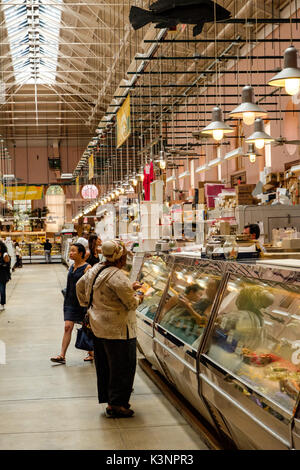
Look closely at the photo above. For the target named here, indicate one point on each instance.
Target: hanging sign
(91, 166)
(77, 185)
(89, 191)
(123, 122)
(24, 192)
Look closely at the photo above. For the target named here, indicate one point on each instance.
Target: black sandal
(58, 359)
(118, 412)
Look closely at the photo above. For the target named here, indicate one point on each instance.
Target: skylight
(33, 33)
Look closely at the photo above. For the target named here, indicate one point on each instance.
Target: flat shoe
(88, 359)
(117, 412)
(58, 359)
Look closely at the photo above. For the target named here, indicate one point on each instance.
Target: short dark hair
(80, 248)
(192, 288)
(254, 228)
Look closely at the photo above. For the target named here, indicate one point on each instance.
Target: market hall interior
(54, 407)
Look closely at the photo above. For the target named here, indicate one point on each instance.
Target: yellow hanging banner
(91, 166)
(77, 185)
(123, 122)
(14, 193)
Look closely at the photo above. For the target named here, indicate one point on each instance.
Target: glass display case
(153, 276)
(188, 302)
(256, 336)
(252, 358)
(184, 315)
(34, 252)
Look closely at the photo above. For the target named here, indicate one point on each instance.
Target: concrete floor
(44, 406)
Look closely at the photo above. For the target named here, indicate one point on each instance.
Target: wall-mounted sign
(89, 191)
(91, 166)
(24, 192)
(77, 185)
(123, 122)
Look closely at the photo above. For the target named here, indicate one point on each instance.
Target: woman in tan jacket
(113, 321)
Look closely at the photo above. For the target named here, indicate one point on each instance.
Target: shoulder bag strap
(94, 280)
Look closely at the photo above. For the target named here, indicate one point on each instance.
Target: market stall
(226, 336)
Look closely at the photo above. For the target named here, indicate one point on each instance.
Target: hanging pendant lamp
(259, 137)
(217, 128)
(289, 77)
(248, 110)
(252, 154)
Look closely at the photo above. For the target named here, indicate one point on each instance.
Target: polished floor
(44, 406)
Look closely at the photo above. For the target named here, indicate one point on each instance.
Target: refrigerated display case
(227, 336)
(34, 253)
(250, 366)
(182, 321)
(153, 275)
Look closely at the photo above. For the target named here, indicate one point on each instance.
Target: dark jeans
(3, 292)
(115, 361)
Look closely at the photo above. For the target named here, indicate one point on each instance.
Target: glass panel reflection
(257, 337)
(153, 276)
(188, 303)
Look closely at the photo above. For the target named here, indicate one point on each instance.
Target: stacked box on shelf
(244, 194)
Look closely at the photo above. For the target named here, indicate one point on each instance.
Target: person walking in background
(94, 249)
(47, 251)
(73, 312)
(18, 256)
(112, 317)
(4, 272)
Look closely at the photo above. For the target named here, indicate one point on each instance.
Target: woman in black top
(94, 245)
(73, 312)
(4, 272)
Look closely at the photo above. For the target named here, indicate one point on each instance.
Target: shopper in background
(18, 256)
(73, 312)
(94, 249)
(253, 231)
(4, 272)
(47, 251)
(113, 322)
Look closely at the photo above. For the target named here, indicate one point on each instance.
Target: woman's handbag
(83, 340)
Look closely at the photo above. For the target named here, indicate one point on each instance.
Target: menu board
(188, 303)
(153, 276)
(256, 336)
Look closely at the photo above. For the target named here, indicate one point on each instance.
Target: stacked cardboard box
(244, 194)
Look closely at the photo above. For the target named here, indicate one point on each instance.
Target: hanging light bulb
(248, 110)
(259, 137)
(162, 164)
(259, 143)
(252, 153)
(292, 86)
(289, 77)
(218, 134)
(217, 128)
(249, 118)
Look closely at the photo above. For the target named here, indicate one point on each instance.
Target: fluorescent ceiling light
(184, 174)
(214, 162)
(66, 176)
(8, 177)
(171, 178)
(238, 152)
(201, 168)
